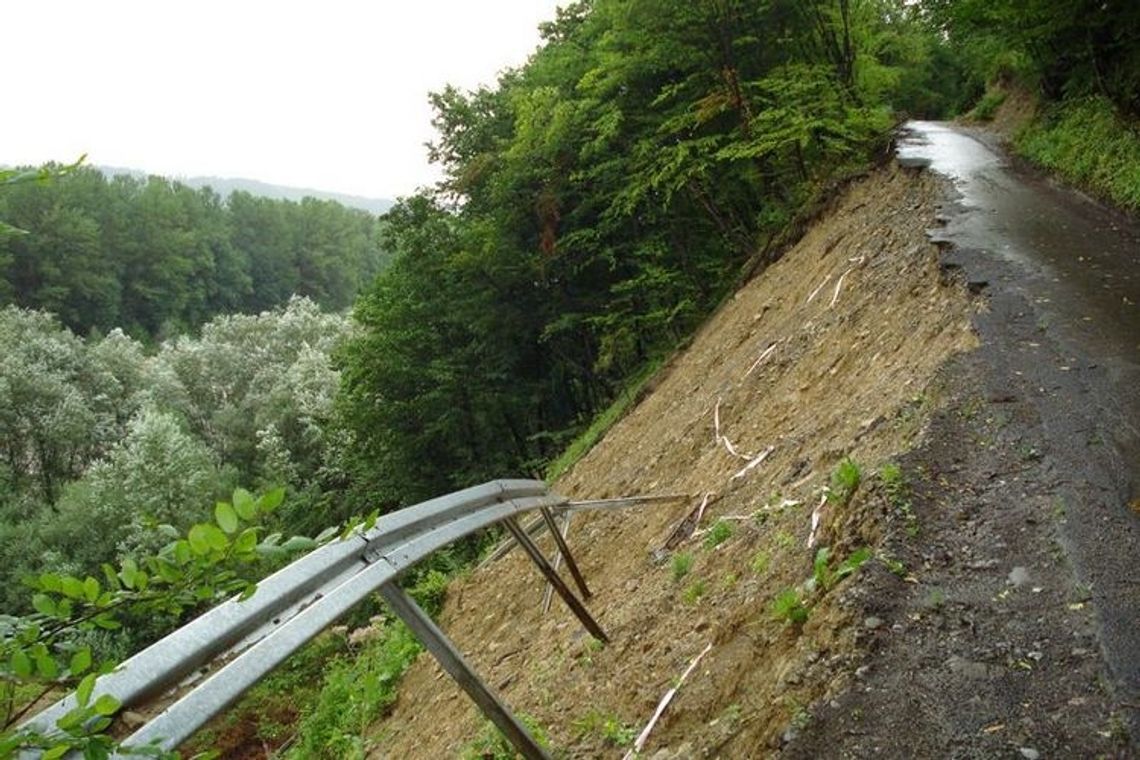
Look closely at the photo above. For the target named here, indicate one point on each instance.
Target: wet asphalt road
(1061, 274)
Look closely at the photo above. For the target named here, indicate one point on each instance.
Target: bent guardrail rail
(297, 602)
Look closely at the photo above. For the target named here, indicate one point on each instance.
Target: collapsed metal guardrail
(299, 601)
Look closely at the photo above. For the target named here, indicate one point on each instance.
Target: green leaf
(56, 752)
(226, 517)
(106, 705)
(80, 662)
(127, 574)
(20, 664)
(327, 535)
(91, 589)
(83, 691)
(247, 592)
(299, 543)
(72, 587)
(168, 571)
(271, 500)
(112, 578)
(44, 605)
(215, 538)
(50, 582)
(246, 542)
(199, 542)
(106, 622)
(183, 552)
(73, 718)
(46, 666)
(244, 504)
(169, 531)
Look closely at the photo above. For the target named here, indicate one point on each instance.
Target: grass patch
(720, 532)
(790, 607)
(603, 422)
(1088, 144)
(845, 480)
(694, 592)
(605, 726)
(681, 565)
(492, 745)
(987, 106)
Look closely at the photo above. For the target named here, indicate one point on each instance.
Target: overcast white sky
(327, 94)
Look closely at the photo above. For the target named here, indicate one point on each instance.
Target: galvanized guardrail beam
(297, 602)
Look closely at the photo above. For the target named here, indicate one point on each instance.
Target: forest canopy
(157, 258)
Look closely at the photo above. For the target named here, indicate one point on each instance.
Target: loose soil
(837, 350)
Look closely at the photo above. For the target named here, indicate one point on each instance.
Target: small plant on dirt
(824, 578)
(605, 726)
(785, 540)
(898, 494)
(694, 592)
(720, 532)
(893, 565)
(936, 599)
(729, 580)
(492, 745)
(760, 562)
(845, 480)
(681, 565)
(789, 606)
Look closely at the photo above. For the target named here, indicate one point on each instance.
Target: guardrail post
(560, 586)
(564, 550)
(451, 660)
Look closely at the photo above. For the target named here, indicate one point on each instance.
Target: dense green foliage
(1064, 48)
(55, 647)
(157, 258)
(597, 203)
(102, 441)
(1088, 143)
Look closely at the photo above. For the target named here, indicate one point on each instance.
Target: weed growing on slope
(605, 726)
(845, 480)
(720, 532)
(760, 562)
(492, 745)
(681, 565)
(824, 578)
(789, 606)
(898, 494)
(694, 592)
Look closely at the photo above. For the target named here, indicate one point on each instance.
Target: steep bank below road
(832, 352)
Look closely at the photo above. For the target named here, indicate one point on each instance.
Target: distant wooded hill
(223, 186)
(157, 257)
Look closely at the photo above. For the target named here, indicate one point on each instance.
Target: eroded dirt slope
(832, 352)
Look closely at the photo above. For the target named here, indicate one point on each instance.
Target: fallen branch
(838, 286)
(815, 292)
(723, 439)
(644, 735)
(767, 352)
(688, 524)
(816, 514)
(753, 463)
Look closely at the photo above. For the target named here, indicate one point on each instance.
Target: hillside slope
(830, 353)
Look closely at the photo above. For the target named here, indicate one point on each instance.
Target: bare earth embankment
(834, 351)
